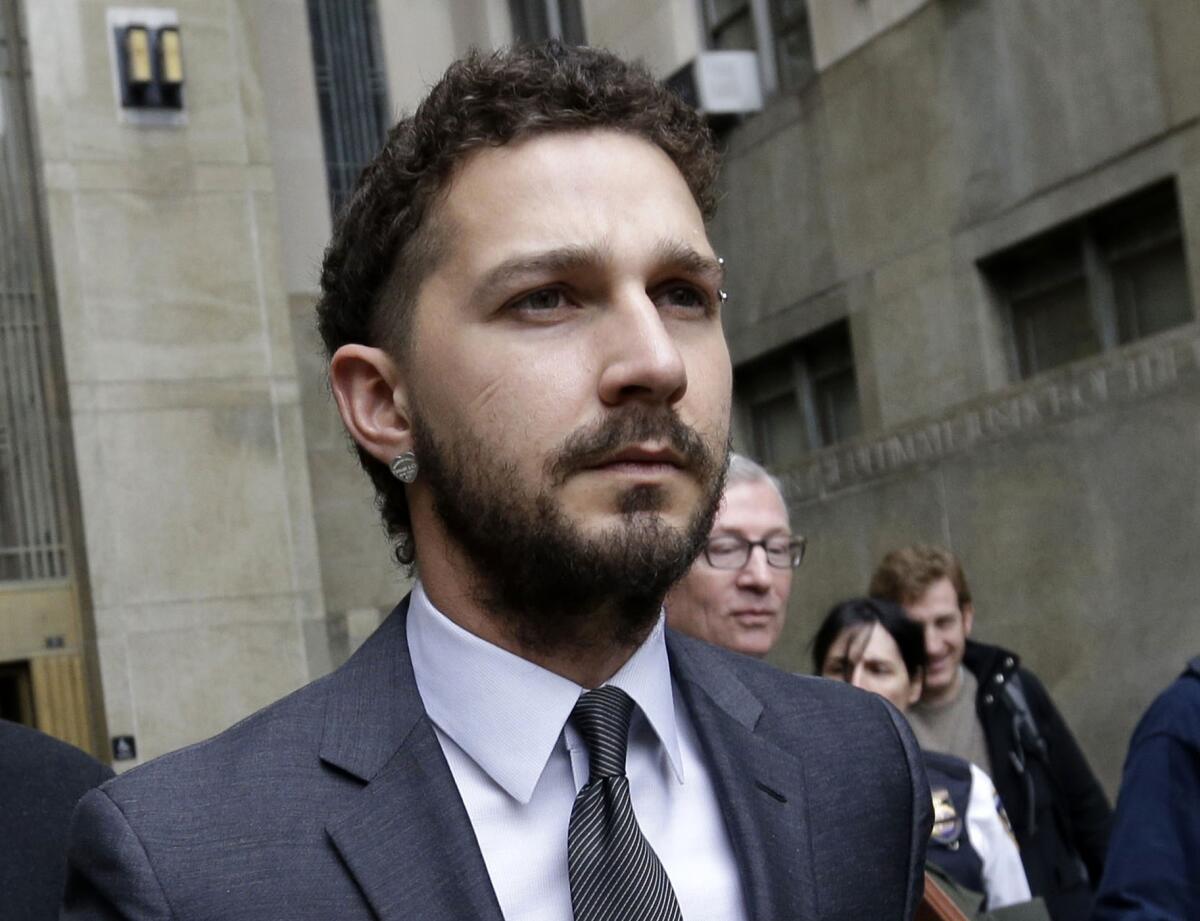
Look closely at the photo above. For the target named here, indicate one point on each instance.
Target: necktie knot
(602, 718)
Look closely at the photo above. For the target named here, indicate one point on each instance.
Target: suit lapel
(761, 786)
(405, 837)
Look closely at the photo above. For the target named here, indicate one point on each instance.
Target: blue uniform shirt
(1153, 866)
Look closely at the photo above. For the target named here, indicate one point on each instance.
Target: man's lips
(753, 614)
(641, 458)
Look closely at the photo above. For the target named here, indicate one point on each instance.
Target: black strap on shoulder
(1026, 727)
(1030, 742)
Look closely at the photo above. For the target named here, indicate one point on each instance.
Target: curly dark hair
(386, 240)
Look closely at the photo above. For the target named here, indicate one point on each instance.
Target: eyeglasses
(732, 552)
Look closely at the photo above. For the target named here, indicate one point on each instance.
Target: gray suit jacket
(337, 803)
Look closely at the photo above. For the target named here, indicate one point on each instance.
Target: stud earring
(404, 467)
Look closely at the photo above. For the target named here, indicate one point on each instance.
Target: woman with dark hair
(872, 644)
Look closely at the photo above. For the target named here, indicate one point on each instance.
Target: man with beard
(522, 312)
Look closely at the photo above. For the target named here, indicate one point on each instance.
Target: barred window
(351, 89)
(32, 528)
(801, 398)
(1114, 276)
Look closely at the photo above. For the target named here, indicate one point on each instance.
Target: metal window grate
(32, 534)
(351, 89)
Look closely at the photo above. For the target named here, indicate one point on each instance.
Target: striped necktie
(614, 874)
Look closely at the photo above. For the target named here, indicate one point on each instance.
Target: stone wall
(871, 195)
(185, 408)
(1073, 502)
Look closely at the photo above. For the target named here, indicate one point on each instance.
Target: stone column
(189, 444)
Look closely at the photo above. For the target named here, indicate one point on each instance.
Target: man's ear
(372, 400)
(968, 613)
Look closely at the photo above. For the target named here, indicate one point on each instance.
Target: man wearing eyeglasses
(736, 593)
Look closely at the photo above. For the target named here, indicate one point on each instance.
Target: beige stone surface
(840, 28)
(914, 303)
(190, 503)
(1176, 37)
(294, 135)
(186, 683)
(885, 196)
(357, 570)
(119, 713)
(421, 39)
(187, 425)
(663, 35)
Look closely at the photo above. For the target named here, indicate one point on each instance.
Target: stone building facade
(962, 262)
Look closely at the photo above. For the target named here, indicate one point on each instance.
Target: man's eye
(684, 297)
(540, 301)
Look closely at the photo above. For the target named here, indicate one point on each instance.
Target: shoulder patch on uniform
(947, 823)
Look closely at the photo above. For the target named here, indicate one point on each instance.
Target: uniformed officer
(873, 645)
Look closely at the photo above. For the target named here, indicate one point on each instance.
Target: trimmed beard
(554, 589)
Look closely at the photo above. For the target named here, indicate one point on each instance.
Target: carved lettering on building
(1122, 378)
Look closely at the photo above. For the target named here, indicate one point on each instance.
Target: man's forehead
(939, 596)
(559, 187)
(751, 502)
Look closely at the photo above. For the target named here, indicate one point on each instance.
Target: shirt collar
(507, 713)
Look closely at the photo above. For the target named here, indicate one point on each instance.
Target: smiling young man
(736, 593)
(981, 705)
(522, 312)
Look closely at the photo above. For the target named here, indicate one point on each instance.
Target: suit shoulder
(32, 755)
(806, 700)
(279, 733)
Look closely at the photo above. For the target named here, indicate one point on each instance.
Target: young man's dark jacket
(1057, 808)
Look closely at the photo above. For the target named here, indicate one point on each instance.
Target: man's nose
(934, 644)
(644, 359)
(756, 574)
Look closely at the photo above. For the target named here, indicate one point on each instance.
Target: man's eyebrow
(682, 256)
(670, 254)
(551, 262)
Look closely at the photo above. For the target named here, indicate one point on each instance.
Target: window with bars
(793, 43)
(801, 398)
(351, 89)
(539, 20)
(32, 489)
(1110, 278)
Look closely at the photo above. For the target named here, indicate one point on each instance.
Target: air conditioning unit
(720, 82)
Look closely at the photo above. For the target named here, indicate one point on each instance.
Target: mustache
(591, 445)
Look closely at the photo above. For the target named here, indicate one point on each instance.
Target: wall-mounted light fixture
(168, 59)
(147, 65)
(137, 74)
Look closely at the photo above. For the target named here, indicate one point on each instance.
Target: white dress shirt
(1004, 879)
(502, 724)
